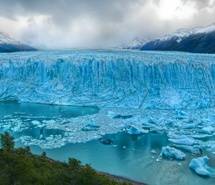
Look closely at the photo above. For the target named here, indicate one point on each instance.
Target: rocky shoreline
(122, 179)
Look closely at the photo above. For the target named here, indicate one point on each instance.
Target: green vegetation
(21, 167)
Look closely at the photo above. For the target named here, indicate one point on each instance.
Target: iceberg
(135, 131)
(208, 130)
(196, 150)
(90, 127)
(171, 153)
(182, 140)
(201, 167)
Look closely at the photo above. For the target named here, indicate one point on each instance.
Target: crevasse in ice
(107, 78)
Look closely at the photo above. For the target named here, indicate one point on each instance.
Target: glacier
(109, 79)
(136, 92)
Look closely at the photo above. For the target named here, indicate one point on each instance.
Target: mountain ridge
(8, 44)
(196, 40)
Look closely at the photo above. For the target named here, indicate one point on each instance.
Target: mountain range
(8, 44)
(197, 40)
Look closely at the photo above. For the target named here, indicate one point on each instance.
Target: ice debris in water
(133, 130)
(182, 139)
(208, 129)
(201, 167)
(197, 150)
(90, 127)
(75, 130)
(171, 153)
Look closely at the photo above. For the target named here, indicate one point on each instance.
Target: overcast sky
(99, 23)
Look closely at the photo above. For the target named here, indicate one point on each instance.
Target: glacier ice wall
(109, 78)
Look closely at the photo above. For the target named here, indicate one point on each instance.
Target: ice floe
(135, 131)
(201, 167)
(182, 139)
(171, 153)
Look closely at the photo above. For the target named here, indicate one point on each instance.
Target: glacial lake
(56, 130)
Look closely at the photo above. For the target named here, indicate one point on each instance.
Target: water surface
(58, 130)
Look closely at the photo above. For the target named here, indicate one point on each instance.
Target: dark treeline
(18, 166)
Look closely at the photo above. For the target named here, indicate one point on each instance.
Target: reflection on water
(41, 110)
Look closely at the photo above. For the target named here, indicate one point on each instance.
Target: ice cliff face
(109, 78)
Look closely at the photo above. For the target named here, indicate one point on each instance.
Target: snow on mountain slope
(135, 44)
(8, 44)
(187, 32)
(197, 40)
(6, 39)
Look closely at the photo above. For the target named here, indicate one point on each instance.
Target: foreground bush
(21, 167)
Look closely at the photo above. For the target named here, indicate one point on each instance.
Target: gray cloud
(97, 23)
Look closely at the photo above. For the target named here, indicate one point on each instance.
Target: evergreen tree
(7, 142)
(20, 167)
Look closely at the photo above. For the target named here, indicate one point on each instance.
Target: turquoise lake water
(131, 156)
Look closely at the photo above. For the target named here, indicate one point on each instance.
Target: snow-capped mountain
(182, 33)
(197, 40)
(8, 44)
(136, 43)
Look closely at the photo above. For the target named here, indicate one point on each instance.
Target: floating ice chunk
(200, 166)
(49, 121)
(135, 131)
(90, 127)
(210, 146)
(111, 114)
(106, 141)
(182, 139)
(191, 149)
(201, 136)
(189, 125)
(208, 130)
(158, 159)
(36, 122)
(180, 114)
(172, 153)
(184, 147)
(153, 151)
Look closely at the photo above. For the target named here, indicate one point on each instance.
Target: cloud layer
(99, 23)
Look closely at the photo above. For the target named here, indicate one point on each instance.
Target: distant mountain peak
(196, 40)
(6, 39)
(187, 32)
(8, 44)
